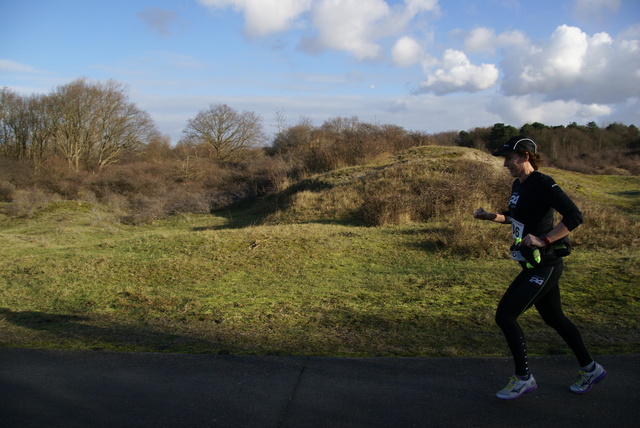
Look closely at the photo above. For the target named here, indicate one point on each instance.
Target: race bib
(518, 230)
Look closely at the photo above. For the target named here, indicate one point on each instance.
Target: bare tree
(13, 124)
(72, 119)
(24, 131)
(281, 120)
(225, 131)
(122, 126)
(92, 123)
(340, 125)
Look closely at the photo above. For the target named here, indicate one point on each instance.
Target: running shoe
(588, 379)
(517, 387)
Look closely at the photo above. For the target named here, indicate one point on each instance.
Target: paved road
(45, 388)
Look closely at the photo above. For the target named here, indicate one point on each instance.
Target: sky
(425, 65)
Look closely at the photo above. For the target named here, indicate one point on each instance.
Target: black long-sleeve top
(532, 203)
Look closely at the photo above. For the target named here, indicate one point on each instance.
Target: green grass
(298, 275)
(622, 192)
(73, 277)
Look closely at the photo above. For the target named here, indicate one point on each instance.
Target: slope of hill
(420, 184)
(444, 185)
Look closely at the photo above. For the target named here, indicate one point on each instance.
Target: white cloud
(432, 113)
(630, 33)
(628, 112)
(593, 110)
(406, 51)
(485, 40)
(481, 40)
(263, 17)
(565, 53)
(456, 73)
(7, 65)
(357, 26)
(350, 25)
(531, 108)
(572, 65)
(417, 6)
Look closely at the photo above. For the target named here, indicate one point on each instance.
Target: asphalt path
(53, 388)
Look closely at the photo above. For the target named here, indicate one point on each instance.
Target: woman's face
(515, 163)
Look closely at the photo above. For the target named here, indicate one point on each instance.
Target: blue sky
(428, 65)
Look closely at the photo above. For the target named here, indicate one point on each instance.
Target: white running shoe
(517, 387)
(588, 379)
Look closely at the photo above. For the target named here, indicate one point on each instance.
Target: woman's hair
(535, 159)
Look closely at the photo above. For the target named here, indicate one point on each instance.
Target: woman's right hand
(481, 214)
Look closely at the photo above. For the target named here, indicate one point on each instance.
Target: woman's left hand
(533, 241)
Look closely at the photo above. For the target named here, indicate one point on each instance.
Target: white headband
(535, 146)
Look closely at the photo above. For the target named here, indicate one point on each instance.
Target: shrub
(55, 176)
(181, 201)
(18, 173)
(143, 210)
(423, 191)
(6, 191)
(26, 203)
(115, 202)
(379, 210)
(131, 179)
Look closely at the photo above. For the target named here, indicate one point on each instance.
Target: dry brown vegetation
(86, 142)
(160, 180)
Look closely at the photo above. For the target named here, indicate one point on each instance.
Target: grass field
(73, 277)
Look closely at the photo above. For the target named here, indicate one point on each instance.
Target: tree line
(583, 148)
(89, 125)
(88, 140)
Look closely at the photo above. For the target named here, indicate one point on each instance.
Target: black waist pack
(562, 247)
(558, 249)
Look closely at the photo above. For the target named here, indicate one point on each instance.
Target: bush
(6, 191)
(143, 210)
(18, 173)
(131, 179)
(423, 192)
(379, 210)
(55, 176)
(27, 203)
(181, 202)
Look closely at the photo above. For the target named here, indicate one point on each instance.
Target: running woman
(537, 247)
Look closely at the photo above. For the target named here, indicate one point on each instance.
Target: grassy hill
(379, 260)
(417, 185)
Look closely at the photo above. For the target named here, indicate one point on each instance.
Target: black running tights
(537, 287)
